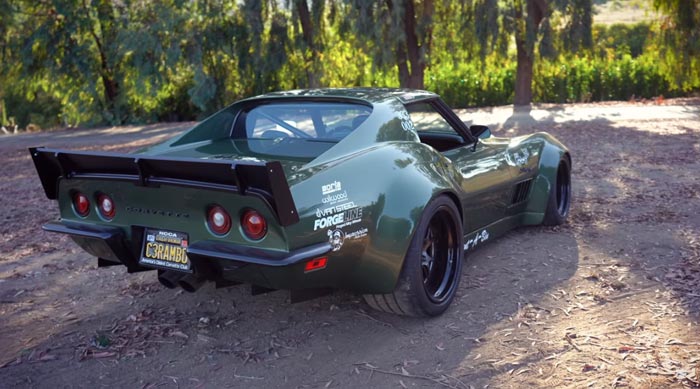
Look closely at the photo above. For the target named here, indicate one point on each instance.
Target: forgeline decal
(479, 238)
(340, 214)
(342, 219)
(335, 186)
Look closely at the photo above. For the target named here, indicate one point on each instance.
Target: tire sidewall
(412, 264)
(552, 215)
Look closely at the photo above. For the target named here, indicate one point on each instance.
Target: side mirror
(479, 131)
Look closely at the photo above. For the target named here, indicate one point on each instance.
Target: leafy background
(95, 62)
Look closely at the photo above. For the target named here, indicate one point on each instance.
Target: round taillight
(81, 204)
(253, 224)
(106, 205)
(218, 220)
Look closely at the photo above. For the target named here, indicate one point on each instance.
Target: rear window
(297, 129)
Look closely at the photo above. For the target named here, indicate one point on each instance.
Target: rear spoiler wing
(265, 181)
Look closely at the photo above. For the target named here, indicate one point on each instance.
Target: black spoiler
(263, 180)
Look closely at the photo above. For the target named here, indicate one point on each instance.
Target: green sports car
(376, 191)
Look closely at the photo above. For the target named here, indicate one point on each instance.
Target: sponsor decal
(333, 187)
(406, 122)
(337, 211)
(334, 209)
(480, 237)
(334, 198)
(521, 157)
(341, 219)
(328, 221)
(336, 238)
(361, 233)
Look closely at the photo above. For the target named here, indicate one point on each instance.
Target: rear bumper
(210, 259)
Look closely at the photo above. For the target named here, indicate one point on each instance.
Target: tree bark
(415, 77)
(411, 57)
(523, 76)
(536, 10)
(107, 74)
(307, 29)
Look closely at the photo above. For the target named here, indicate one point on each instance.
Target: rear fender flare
(396, 214)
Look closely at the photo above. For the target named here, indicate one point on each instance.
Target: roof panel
(372, 95)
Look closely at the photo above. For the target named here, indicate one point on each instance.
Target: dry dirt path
(611, 299)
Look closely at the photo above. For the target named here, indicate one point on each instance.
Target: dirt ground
(611, 299)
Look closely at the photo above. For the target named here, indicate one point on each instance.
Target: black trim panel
(265, 181)
(236, 253)
(97, 239)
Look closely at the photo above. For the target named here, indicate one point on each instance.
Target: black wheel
(559, 195)
(432, 267)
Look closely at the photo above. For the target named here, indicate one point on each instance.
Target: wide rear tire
(432, 267)
(559, 200)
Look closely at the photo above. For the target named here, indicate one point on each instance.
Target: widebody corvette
(376, 191)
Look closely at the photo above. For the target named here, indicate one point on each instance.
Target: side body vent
(522, 191)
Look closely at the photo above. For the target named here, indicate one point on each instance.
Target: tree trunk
(307, 29)
(536, 10)
(107, 73)
(402, 65)
(415, 77)
(523, 76)
(418, 45)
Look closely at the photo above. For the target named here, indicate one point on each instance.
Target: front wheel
(559, 195)
(432, 267)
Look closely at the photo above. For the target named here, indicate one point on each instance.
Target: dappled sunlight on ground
(610, 299)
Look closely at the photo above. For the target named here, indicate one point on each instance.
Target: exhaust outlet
(169, 279)
(190, 283)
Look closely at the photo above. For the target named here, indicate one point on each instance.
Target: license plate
(166, 250)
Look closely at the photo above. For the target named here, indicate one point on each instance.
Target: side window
(427, 120)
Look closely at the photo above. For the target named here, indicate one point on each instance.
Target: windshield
(298, 129)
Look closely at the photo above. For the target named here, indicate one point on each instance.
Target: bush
(566, 79)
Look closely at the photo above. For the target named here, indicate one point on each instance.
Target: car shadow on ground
(334, 338)
(523, 302)
(636, 192)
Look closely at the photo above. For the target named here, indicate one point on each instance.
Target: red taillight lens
(254, 224)
(218, 220)
(315, 264)
(81, 204)
(106, 206)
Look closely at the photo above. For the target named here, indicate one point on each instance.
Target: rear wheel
(432, 267)
(559, 195)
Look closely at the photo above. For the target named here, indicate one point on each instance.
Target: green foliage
(584, 79)
(566, 79)
(619, 39)
(470, 85)
(680, 37)
(70, 63)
